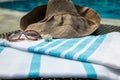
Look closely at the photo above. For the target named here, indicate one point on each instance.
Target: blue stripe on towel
(91, 73)
(1, 48)
(42, 50)
(57, 51)
(31, 49)
(35, 66)
(91, 49)
(70, 55)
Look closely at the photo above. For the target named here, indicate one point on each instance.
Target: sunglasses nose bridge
(23, 36)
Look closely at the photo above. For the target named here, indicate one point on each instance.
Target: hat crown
(60, 6)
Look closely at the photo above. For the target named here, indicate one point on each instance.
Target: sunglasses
(29, 35)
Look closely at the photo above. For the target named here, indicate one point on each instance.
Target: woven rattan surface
(105, 28)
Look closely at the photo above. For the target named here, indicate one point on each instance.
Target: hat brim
(39, 13)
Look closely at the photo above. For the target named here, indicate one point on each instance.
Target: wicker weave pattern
(104, 28)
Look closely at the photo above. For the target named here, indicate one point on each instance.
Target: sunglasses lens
(33, 35)
(13, 36)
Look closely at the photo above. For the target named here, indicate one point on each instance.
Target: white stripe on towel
(37, 48)
(73, 47)
(55, 47)
(85, 48)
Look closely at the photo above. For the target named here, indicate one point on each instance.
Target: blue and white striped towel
(94, 54)
(17, 64)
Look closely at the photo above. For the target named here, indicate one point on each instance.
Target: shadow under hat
(61, 19)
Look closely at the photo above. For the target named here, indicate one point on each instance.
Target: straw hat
(61, 19)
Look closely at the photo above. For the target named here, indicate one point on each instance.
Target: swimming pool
(106, 8)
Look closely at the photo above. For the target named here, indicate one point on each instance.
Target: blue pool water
(106, 8)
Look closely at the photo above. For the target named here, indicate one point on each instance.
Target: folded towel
(102, 49)
(17, 64)
(91, 55)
